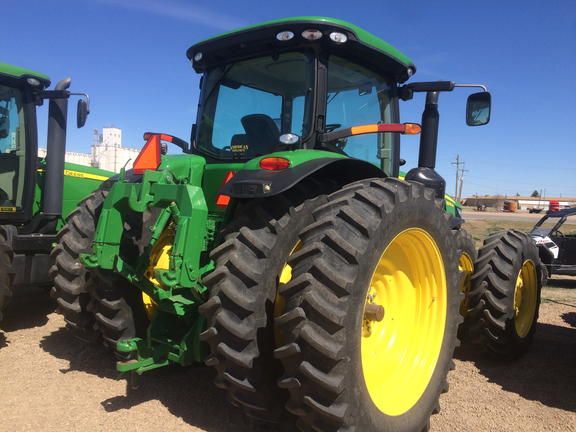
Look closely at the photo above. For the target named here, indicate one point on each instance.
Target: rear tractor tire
(7, 274)
(121, 310)
(468, 256)
(94, 302)
(243, 297)
(505, 296)
(71, 278)
(372, 310)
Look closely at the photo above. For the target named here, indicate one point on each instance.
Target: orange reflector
(406, 128)
(223, 200)
(412, 128)
(274, 164)
(149, 157)
(358, 130)
(163, 137)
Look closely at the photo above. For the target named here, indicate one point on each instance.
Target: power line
(516, 165)
(533, 184)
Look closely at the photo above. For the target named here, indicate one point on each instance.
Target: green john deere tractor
(282, 248)
(35, 192)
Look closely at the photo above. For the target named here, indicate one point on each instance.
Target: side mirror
(81, 113)
(478, 109)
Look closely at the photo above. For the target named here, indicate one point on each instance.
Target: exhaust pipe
(425, 172)
(56, 152)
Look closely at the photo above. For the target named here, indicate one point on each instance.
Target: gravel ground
(52, 382)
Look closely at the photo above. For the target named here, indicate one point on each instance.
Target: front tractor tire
(372, 311)
(243, 296)
(505, 296)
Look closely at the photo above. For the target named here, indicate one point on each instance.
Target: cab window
(12, 148)
(358, 96)
(247, 105)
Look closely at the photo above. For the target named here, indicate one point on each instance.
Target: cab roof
(561, 213)
(261, 38)
(18, 77)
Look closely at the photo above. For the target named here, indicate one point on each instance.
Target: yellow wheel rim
(400, 353)
(525, 298)
(159, 260)
(467, 266)
(280, 303)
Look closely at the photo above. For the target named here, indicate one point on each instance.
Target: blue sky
(129, 56)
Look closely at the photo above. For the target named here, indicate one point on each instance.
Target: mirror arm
(472, 85)
(87, 100)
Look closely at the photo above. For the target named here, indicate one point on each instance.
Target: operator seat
(261, 132)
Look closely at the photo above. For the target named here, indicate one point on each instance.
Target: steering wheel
(559, 234)
(331, 127)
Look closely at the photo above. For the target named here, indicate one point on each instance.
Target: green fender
(255, 182)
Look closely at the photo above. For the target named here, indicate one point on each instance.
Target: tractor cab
(314, 84)
(289, 86)
(24, 202)
(18, 139)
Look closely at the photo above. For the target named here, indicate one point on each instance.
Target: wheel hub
(466, 265)
(525, 298)
(159, 260)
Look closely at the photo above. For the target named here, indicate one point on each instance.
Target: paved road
(521, 215)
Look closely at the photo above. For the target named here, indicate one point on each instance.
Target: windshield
(247, 105)
(12, 149)
(541, 231)
(358, 96)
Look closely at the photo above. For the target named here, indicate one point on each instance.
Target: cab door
(17, 153)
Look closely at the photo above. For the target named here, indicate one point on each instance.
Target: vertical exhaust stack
(425, 172)
(56, 152)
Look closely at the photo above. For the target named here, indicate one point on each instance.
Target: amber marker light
(274, 164)
(412, 128)
(163, 137)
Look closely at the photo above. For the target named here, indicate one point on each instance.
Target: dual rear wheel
(366, 314)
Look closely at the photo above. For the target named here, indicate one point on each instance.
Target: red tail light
(274, 164)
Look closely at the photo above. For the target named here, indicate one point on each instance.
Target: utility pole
(461, 182)
(457, 195)
(457, 163)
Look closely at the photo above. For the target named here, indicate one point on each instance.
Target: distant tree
(535, 194)
(517, 194)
